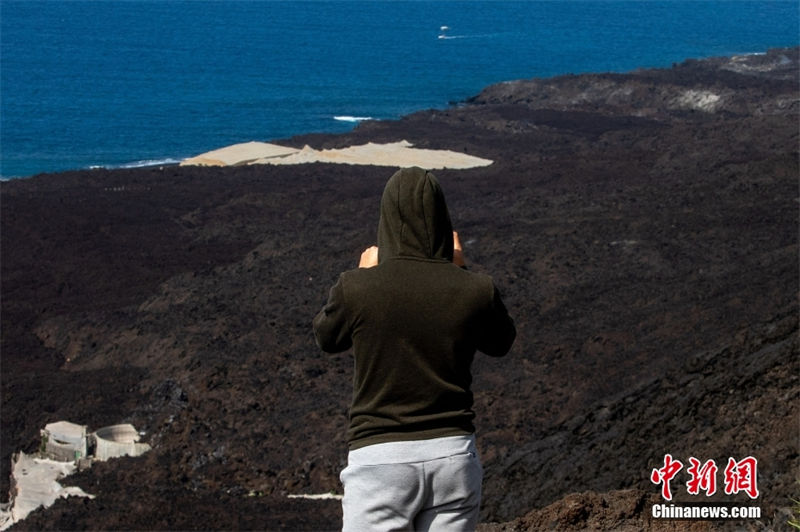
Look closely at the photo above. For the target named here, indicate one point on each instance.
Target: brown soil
(643, 229)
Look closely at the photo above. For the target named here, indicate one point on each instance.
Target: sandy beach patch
(237, 154)
(397, 154)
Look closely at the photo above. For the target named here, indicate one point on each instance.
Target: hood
(414, 219)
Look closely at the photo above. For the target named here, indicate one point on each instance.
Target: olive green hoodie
(414, 321)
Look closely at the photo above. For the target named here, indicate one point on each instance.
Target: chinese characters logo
(738, 476)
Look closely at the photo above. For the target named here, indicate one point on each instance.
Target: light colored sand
(317, 497)
(34, 483)
(397, 154)
(243, 153)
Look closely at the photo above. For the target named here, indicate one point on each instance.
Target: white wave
(347, 118)
(144, 163)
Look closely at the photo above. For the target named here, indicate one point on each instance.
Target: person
(414, 317)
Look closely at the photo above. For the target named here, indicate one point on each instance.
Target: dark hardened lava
(646, 246)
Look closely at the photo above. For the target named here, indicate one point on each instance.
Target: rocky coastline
(643, 230)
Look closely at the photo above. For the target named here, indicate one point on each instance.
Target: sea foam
(347, 118)
(147, 163)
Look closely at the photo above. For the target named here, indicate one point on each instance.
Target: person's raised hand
(369, 257)
(458, 254)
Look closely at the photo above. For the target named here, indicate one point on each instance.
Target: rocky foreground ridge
(643, 229)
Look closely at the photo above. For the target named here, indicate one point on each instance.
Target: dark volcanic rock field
(643, 228)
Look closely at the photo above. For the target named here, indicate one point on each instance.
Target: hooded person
(414, 317)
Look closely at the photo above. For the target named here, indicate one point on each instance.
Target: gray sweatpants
(413, 485)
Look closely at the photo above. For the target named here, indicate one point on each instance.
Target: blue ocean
(137, 82)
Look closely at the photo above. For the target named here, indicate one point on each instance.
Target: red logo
(741, 476)
(738, 476)
(665, 474)
(703, 477)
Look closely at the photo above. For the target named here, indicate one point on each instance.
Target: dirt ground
(642, 228)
